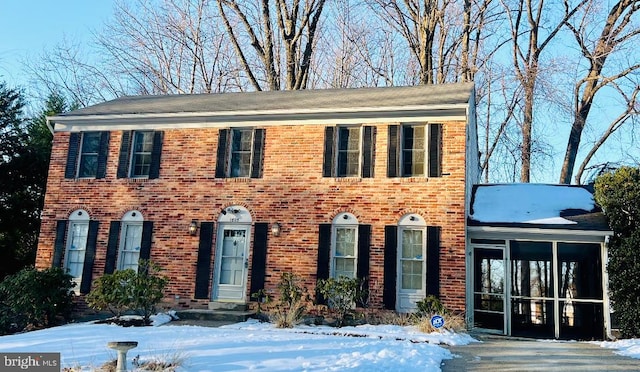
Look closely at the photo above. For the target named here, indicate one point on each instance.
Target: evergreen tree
(619, 195)
(25, 148)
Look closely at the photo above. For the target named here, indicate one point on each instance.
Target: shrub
(619, 195)
(452, 322)
(126, 290)
(34, 299)
(429, 306)
(342, 295)
(291, 305)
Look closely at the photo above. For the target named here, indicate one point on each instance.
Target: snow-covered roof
(528, 204)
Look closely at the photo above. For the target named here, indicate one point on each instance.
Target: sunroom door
(231, 264)
(489, 289)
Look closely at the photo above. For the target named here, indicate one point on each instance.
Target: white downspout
(606, 307)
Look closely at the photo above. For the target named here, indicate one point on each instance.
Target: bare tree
(288, 51)
(618, 35)
(525, 18)
(172, 46)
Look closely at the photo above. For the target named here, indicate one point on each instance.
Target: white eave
(445, 112)
(524, 232)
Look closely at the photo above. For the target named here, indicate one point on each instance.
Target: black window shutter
(433, 260)
(145, 246)
(112, 247)
(393, 156)
(156, 152)
(123, 159)
(72, 155)
(390, 266)
(367, 151)
(103, 152)
(435, 150)
(221, 158)
(259, 259)
(203, 265)
(328, 164)
(364, 243)
(258, 149)
(324, 252)
(58, 247)
(89, 257)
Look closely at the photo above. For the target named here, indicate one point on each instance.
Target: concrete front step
(215, 315)
(227, 306)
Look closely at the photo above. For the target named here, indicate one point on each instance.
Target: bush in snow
(291, 304)
(342, 295)
(126, 290)
(34, 299)
(618, 193)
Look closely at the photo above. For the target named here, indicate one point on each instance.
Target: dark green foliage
(430, 305)
(342, 294)
(25, 148)
(127, 290)
(290, 288)
(33, 299)
(291, 304)
(618, 193)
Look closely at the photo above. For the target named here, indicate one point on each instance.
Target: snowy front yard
(246, 346)
(255, 346)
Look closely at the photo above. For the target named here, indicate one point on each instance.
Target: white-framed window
(77, 235)
(412, 253)
(241, 152)
(348, 151)
(414, 150)
(142, 148)
(130, 240)
(88, 155)
(344, 246)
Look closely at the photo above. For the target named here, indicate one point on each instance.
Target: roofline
(538, 230)
(446, 112)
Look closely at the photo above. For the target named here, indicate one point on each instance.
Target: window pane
(88, 163)
(141, 156)
(412, 244)
(412, 275)
(344, 267)
(413, 150)
(580, 266)
(241, 146)
(132, 240)
(348, 151)
(76, 249)
(345, 242)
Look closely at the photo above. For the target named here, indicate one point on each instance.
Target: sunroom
(536, 262)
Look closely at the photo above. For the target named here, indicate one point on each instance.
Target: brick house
(228, 191)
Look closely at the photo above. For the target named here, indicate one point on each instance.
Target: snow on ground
(629, 348)
(245, 346)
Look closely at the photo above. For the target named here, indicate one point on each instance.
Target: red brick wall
(292, 191)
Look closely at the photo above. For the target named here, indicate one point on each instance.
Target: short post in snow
(122, 347)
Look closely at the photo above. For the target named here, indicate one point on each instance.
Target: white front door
(232, 262)
(411, 268)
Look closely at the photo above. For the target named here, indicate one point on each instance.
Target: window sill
(347, 179)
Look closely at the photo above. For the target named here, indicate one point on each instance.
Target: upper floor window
(140, 154)
(415, 150)
(344, 247)
(348, 151)
(240, 153)
(87, 156)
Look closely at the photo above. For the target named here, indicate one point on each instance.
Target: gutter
(49, 123)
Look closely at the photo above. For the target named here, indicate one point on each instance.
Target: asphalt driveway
(497, 354)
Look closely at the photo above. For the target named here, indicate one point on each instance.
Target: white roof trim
(536, 230)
